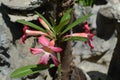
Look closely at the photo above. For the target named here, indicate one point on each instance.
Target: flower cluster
(49, 37)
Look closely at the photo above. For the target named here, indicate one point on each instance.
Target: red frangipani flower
(28, 32)
(48, 49)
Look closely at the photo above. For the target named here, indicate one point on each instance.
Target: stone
(90, 66)
(14, 18)
(5, 36)
(79, 74)
(105, 23)
(113, 1)
(83, 50)
(105, 60)
(95, 71)
(23, 4)
(115, 8)
(96, 75)
(2, 77)
(104, 45)
(80, 10)
(106, 12)
(18, 10)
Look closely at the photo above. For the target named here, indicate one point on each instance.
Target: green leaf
(27, 70)
(45, 20)
(64, 21)
(66, 16)
(61, 26)
(52, 21)
(77, 38)
(76, 23)
(31, 25)
(86, 2)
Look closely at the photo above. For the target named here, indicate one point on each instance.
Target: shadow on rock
(95, 75)
(16, 29)
(4, 56)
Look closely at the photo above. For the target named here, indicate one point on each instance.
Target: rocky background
(94, 63)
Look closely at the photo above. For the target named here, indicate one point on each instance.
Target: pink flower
(86, 34)
(47, 27)
(90, 36)
(48, 50)
(86, 27)
(77, 34)
(44, 24)
(28, 32)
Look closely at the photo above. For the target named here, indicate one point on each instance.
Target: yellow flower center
(47, 49)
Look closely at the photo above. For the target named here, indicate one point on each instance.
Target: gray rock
(0, 2)
(113, 1)
(104, 44)
(106, 11)
(83, 50)
(80, 10)
(2, 77)
(105, 60)
(5, 35)
(23, 4)
(23, 9)
(105, 23)
(89, 66)
(14, 18)
(115, 8)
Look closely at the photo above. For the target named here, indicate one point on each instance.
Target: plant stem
(59, 67)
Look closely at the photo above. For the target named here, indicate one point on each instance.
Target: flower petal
(55, 49)
(35, 33)
(24, 37)
(90, 44)
(90, 36)
(43, 23)
(43, 41)
(44, 59)
(77, 34)
(36, 50)
(52, 43)
(86, 27)
(25, 28)
(55, 60)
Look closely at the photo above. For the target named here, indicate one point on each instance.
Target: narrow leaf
(66, 16)
(61, 26)
(76, 23)
(64, 21)
(31, 25)
(77, 38)
(53, 23)
(27, 70)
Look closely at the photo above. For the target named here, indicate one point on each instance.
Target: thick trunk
(66, 60)
(67, 69)
(66, 54)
